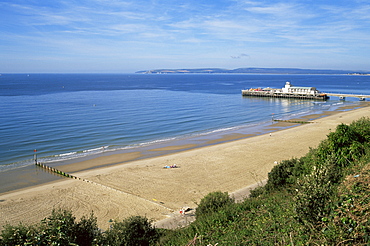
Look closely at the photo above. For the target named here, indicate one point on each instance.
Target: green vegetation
(61, 228)
(213, 202)
(322, 198)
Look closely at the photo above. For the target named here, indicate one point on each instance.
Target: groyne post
(35, 155)
(54, 170)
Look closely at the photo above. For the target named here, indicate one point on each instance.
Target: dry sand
(144, 187)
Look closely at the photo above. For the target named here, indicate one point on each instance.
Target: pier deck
(284, 95)
(343, 96)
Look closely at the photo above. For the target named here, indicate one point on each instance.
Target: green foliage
(266, 220)
(281, 174)
(60, 228)
(350, 216)
(135, 230)
(18, 235)
(87, 230)
(313, 194)
(361, 126)
(257, 191)
(213, 202)
(345, 145)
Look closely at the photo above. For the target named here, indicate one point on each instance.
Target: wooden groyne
(61, 173)
(283, 95)
(294, 121)
(56, 171)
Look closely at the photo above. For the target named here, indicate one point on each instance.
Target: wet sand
(144, 187)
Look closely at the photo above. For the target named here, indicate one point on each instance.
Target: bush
(257, 191)
(281, 175)
(135, 230)
(213, 202)
(361, 126)
(60, 228)
(346, 145)
(87, 230)
(314, 192)
(18, 235)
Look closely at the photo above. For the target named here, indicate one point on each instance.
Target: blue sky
(126, 36)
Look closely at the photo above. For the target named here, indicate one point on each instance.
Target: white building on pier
(290, 89)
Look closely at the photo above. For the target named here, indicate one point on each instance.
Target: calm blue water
(65, 116)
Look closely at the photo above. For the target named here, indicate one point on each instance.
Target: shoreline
(144, 187)
(28, 176)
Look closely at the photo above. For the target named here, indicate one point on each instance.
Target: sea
(64, 118)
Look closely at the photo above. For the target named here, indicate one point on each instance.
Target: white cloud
(166, 29)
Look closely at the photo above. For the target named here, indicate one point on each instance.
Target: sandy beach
(144, 187)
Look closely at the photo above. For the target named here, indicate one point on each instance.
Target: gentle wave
(66, 154)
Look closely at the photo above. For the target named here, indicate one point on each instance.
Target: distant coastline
(254, 70)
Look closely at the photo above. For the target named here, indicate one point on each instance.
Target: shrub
(213, 202)
(257, 191)
(60, 228)
(281, 174)
(135, 230)
(346, 145)
(87, 230)
(18, 235)
(313, 194)
(351, 214)
(361, 126)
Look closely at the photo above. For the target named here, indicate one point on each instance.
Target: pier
(343, 96)
(288, 91)
(284, 95)
(298, 92)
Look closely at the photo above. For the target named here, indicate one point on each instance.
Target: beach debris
(184, 210)
(173, 166)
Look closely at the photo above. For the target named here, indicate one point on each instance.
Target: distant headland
(254, 70)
